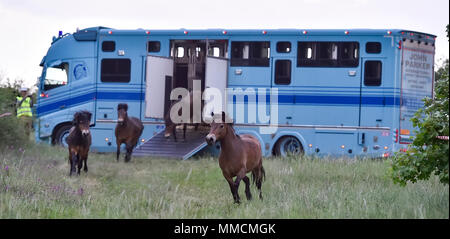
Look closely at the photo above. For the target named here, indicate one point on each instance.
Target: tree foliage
(427, 154)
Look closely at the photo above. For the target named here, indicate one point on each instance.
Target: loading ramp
(159, 146)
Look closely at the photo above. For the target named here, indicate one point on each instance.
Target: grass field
(35, 184)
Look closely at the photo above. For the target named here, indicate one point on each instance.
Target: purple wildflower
(80, 191)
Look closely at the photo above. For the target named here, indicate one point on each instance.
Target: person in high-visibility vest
(24, 112)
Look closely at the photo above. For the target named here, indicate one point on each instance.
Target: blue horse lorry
(339, 92)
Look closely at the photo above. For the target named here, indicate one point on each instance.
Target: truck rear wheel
(288, 146)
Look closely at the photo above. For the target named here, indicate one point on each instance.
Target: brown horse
(128, 131)
(79, 141)
(239, 155)
(170, 126)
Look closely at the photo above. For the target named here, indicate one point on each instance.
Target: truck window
(116, 70)
(283, 72)
(154, 46)
(328, 54)
(372, 73)
(56, 76)
(250, 53)
(108, 46)
(373, 47)
(283, 47)
(348, 54)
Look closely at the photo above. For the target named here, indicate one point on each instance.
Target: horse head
(220, 127)
(82, 120)
(122, 113)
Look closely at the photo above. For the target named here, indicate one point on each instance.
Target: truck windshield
(56, 76)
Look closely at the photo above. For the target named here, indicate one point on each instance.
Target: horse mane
(234, 132)
(77, 115)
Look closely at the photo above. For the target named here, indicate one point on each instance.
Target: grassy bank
(34, 184)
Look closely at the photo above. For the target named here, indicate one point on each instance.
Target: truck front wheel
(61, 135)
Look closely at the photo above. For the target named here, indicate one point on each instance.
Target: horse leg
(73, 161)
(258, 185)
(184, 132)
(118, 151)
(248, 194)
(70, 164)
(85, 169)
(174, 133)
(232, 188)
(236, 187)
(128, 155)
(239, 177)
(259, 173)
(80, 163)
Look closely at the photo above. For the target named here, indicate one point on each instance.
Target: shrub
(11, 130)
(427, 154)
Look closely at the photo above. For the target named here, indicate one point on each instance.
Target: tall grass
(34, 183)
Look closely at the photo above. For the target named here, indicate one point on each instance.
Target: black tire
(288, 145)
(61, 134)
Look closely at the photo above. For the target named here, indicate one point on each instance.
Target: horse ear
(122, 106)
(89, 115)
(223, 117)
(75, 118)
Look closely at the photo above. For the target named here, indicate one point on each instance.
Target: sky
(27, 26)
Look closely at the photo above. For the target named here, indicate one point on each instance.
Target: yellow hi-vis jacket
(25, 108)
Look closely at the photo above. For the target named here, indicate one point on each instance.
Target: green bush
(427, 154)
(12, 132)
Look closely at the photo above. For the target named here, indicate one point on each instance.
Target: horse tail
(263, 174)
(253, 177)
(259, 175)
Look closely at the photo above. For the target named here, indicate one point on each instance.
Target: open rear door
(159, 75)
(216, 76)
